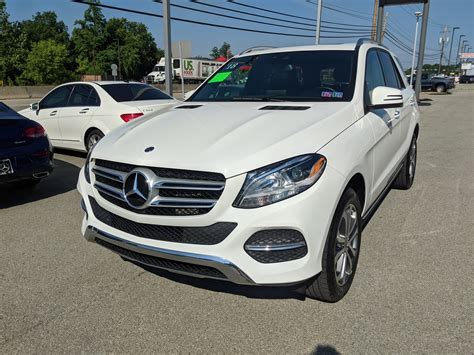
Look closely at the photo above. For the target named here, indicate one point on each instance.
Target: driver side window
(59, 97)
(373, 75)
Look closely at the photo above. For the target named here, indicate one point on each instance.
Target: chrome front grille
(171, 191)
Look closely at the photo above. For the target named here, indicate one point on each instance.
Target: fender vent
(187, 107)
(284, 108)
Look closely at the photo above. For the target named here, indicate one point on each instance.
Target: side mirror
(385, 97)
(189, 94)
(34, 106)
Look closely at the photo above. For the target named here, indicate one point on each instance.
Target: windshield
(284, 76)
(134, 92)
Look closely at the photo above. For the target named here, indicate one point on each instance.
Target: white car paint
(67, 126)
(234, 138)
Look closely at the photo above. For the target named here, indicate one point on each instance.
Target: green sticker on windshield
(220, 77)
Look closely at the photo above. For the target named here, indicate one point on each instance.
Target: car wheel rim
(93, 140)
(347, 245)
(412, 160)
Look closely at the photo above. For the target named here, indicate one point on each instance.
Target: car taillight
(130, 116)
(34, 132)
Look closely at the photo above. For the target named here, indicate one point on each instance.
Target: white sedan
(77, 115)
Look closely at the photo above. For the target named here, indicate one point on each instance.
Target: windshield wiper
(258, 98)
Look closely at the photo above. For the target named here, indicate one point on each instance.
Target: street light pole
(421, 48)
(451, 47)
(459, 47)
(167, 45)
(417, 14)
(318, 21)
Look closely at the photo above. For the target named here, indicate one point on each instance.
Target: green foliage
(47, 63)
(223, 51)
(41, 51)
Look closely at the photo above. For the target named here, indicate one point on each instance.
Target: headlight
(87, 172)
(280, 181)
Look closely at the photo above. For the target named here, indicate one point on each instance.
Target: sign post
(114, 68)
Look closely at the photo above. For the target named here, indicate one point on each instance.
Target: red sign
(467, 55)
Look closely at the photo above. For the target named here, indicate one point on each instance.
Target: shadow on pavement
(258, 292)
(325, 350)
(425, 102)
(63, 179)
(73, 153)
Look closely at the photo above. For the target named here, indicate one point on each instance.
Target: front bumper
(309, 213)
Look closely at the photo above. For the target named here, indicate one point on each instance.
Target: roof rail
(256, 48)
(361, 41)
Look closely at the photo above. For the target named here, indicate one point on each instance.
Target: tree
(47, 63)
(223, 51)
(88, 40)
(44, 26)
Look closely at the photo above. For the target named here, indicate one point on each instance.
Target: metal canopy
(400, 2)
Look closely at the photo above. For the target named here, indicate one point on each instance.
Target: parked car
(267, 173)
(26, 155)
(435, 83)
(77, 115)
(466, 79)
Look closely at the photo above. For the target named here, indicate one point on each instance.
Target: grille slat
(208, 235)
(178, 192)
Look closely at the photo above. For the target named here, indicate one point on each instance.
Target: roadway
(412, 292)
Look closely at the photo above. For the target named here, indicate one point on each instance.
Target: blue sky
(401, 21)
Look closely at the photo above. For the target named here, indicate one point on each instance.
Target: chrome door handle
(84, 110)
(53, 113)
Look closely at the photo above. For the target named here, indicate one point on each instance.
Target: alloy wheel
(412, 160)
(347, 245)
(93, 140)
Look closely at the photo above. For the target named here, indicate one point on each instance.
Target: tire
(406, 176)
(440, 88)
(340, 253)
(92, 138)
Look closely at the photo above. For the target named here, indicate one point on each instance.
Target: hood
(229, 138)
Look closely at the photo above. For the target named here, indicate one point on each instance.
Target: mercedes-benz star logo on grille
(136, 189)
(4, 167)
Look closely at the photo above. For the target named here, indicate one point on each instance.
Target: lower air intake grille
(209, 235)
(276, 245)
(161, 263)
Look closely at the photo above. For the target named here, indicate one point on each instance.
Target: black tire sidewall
(336, 291)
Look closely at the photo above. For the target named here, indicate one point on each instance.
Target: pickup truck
(435, 83)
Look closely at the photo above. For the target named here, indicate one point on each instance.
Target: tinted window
(176, 63)
(287, 76)
(134, 92)
(391, 77)
(84, 95)
(57, 98)
(373, 74)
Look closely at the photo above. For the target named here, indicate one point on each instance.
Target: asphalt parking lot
(413, 291)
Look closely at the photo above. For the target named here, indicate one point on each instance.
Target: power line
(88, 2)
(266, 10)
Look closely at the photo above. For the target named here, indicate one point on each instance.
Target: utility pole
(442, 40)
(451, 47)
(374, 19)
(167, 45)
(459, 47)
(318, 20)
(421, 50)
(384, 27)
(418, 14)
(380, 18)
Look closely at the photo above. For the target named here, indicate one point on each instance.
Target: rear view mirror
(385, 97)
(34, 106)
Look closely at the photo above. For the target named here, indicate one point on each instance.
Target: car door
(74, 118)
(385, 127)
(425, 82)
(49, 110)
(393, 78)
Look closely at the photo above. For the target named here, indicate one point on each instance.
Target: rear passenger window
(84, 95)
(391, 77)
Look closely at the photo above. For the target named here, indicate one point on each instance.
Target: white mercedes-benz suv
(266, 175)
